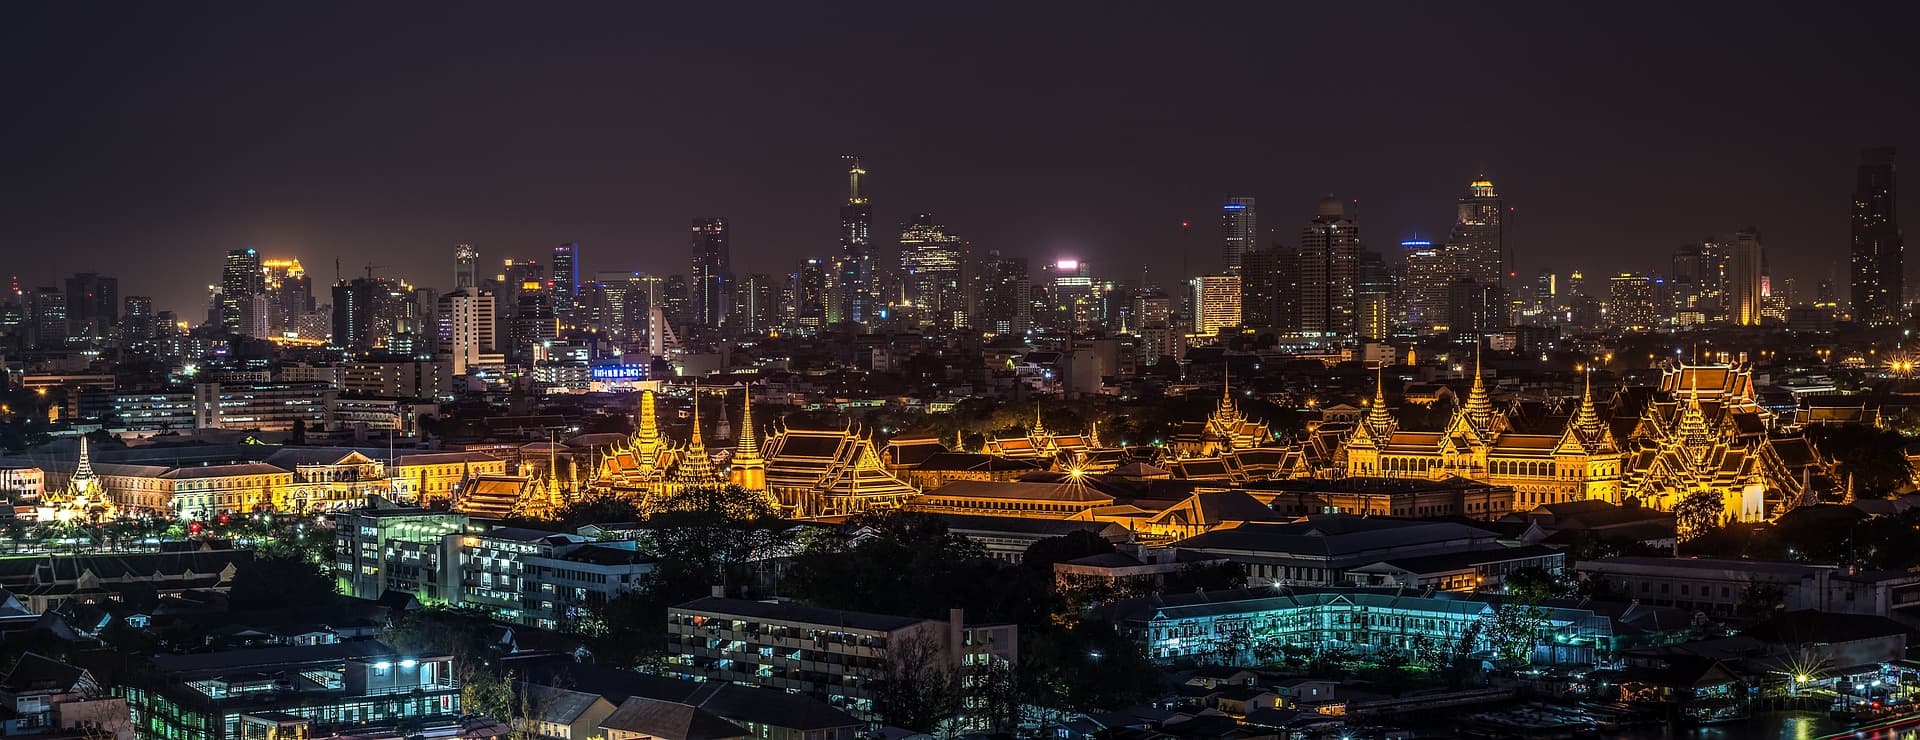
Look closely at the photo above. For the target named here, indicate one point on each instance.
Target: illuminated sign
(1235, 207)
(618, 372)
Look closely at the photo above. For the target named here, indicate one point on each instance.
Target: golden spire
(1039, 427)
(1479, 407)
(647, 436)
(695, 468)
(1377, 417)
(747, 448)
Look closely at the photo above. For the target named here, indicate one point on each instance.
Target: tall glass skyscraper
(1241, 229)
(566, 277)
(853, 285)
(712, 271)
(1879, 254)
(240, 280)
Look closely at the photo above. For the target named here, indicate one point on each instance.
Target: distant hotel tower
(1241, 227)
(1879, 262)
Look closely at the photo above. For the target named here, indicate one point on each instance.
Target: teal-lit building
(1359, 621)
(311, 690)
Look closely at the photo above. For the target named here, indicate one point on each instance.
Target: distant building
(1879, 253)
(294, 691)
(1329, 260)
(1216, 300)
(1227, 625)
(712, 274)
(1630, 304)
(842, 657)
(46, 698)
(1240, 224)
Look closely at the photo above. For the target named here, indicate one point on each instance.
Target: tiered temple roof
(823, 472)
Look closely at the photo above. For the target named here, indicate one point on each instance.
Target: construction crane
(371, 267)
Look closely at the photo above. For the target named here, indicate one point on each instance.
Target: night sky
(144, 140)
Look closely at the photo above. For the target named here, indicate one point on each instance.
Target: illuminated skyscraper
(1216, 303)
(809, 295)
(465, 328)
(1005, 301)
(466, 261)
(1240, 226)
(930, 262)
(1746, 275)
(240, 280)
(1630, 305)
(1329, 261)
(1479, 235)
(1879, 253)
(1373, 297)
(566, 277)
(712, 271)
(1428, 277)
(853, 286)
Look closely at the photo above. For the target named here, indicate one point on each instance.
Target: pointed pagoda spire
(83, 470)
(1378, 420)
(647, 435)
(1039, 427)
(696, 467)
(1479, 406)
(748, 447)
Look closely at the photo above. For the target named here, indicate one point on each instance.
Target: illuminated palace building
(1701, 431)
(1582, 462)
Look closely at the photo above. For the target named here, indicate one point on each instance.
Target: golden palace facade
(1582, 462)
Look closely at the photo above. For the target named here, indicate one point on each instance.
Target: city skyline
(1109, 164)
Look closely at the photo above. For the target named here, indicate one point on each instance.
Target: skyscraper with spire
(854, 296)
(1478, 246)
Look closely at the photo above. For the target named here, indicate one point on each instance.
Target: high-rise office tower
(1329, 260)
(466, 328)
(1153, 310)
(241, 278)
(1373, 297)
(1429, 273)
(534, 325)
(810, 295)
(1746, 271)
(289, 294)
(931, 261)
(712, 271)
(566, 277)
(1004, 304)
(756, 304)
(1479, 234)
(853, 285)
(136, 318)
(93, 305)
(1241, 229)
(676, 301)
(1631, 305)
(1069, 296)
(48, 309)
(1216, 303)
(1879, 253)
(466, 267)
(356, 309)
(1260, 288)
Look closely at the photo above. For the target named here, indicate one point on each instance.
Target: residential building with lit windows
(1216, 302)
(841, 657)
(306, 690)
